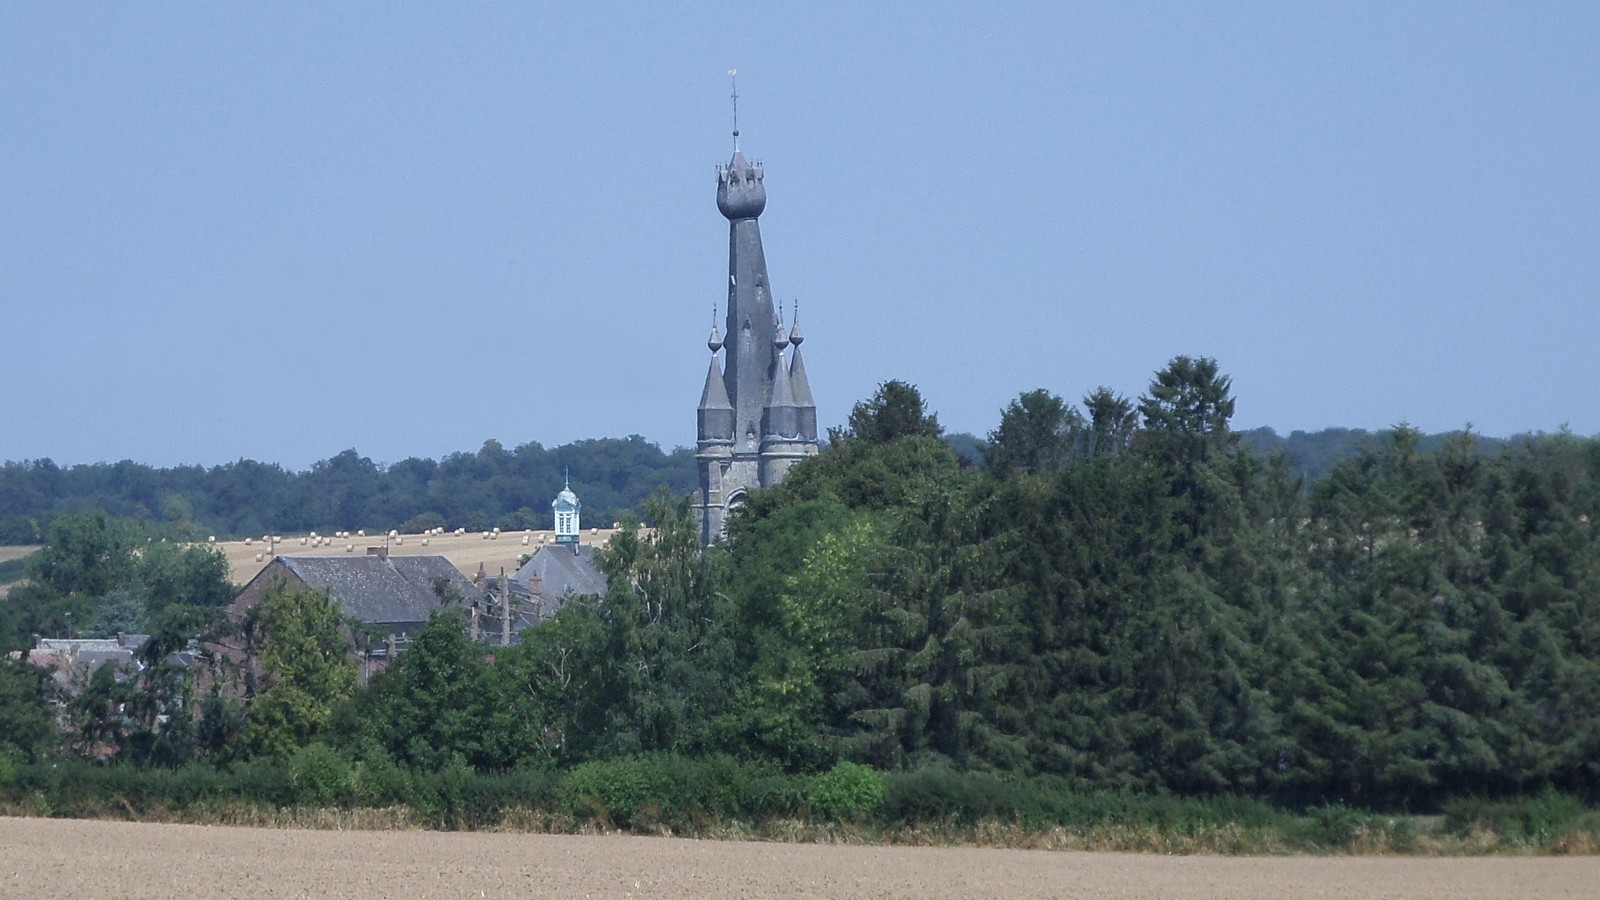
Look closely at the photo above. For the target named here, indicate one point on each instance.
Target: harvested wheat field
(47, 857)
(8, 552)
(465, 551)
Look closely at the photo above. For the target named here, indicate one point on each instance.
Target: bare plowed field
(50, 857)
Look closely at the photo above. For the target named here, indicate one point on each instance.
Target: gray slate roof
(563, 574)
(396, 590)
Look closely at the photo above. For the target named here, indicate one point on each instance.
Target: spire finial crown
(740, 194)
(795, 334)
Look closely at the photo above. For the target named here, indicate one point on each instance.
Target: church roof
(564, 571)
(399, 589)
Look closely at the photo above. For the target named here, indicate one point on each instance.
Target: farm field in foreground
(46, 857)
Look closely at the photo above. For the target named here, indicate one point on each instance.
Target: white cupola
(566, 508)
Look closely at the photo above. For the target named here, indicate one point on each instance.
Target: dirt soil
(51, 857)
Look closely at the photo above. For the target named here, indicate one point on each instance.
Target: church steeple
(755, 420)
(741, 197)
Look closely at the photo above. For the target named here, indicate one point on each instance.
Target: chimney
(505, 609)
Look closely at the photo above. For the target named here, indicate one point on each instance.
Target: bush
(774, 796)
(488, 795)
(847, 792)
(665, 790)
(379, 781)
(319, 776)
(440, 795)
(1522, 821)
(613, 791)
(1333, 826)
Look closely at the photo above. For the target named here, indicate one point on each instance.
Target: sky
(277, 231)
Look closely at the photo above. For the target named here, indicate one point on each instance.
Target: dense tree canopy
(1129, 595)
(897, 410)
(97, 576)
(300, 668)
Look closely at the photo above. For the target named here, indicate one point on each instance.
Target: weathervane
(733, 76)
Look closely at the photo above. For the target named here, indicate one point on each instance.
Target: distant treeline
(1313, 454)
(489, 488)
(493, 487)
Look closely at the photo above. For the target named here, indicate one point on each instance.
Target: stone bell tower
(756, 417)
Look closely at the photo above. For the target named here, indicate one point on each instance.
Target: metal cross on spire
(733, 76)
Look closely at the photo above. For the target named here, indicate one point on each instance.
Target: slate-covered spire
(783, 417)
(716, 411)
(741, 197)
(799, 383)
(800, 386)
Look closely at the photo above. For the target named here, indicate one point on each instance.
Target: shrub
(666, 790)
(1530, 821)
(488, 795)
(1334, 826)
(770, 796)
(847, 792)
(264, 780)
(614, 790)
(378, 781)
(440, 794)
(319, 776)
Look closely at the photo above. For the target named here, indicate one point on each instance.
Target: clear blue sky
(276, 231)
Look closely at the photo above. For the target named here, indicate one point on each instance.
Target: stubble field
(51, 857)
(466, 551)
(9, 552)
